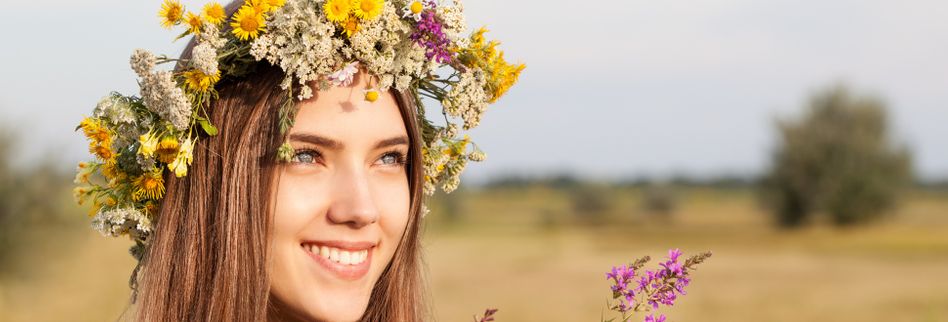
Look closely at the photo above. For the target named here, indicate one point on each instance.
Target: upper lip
(342, 244)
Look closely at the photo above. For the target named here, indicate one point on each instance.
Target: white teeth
(338, 255)
(324, 252)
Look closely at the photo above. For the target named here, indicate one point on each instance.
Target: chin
(337, 309)
(320, 308)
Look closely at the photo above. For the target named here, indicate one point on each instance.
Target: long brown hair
(207, 257)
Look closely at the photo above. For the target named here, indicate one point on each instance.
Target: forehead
(343, 114)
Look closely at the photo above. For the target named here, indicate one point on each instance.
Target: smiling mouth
(346, 260)
(337, 255)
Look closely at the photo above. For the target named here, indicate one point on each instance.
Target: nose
(352, 203)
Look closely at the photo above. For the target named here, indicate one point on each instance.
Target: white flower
(378, 44)
(452, 20)
(451, 184)
(467, 99)
(477, 156)
(414, 8)
(211, 35)
(146, 163)
(142, 62)
(344, 76)
(116, 109)
(121, 221)
(451, 130)
(204, 58)
(161, 95)
(300, 40)
(402, 82)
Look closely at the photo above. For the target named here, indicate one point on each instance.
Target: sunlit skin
(346, 184)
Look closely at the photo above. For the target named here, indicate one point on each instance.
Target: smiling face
(341, 204)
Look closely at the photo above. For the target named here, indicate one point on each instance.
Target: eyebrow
(336, 145)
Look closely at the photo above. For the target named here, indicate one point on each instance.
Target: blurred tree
(7, 226)
(591, 202)
(659, 199)
(837, 159)
(33, 200)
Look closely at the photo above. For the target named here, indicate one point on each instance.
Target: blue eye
(305, 156)
(389, 159)
(393, 158)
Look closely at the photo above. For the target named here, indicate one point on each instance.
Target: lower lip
(343, 271)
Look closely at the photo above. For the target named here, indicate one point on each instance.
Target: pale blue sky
(612, 88)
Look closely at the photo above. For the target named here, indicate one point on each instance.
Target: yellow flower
(103, 151)
(259, 6)
(167, 149)
(88, 126)
(83, 172)
(371, 95)
(151, 207)
(502, 76)
(350, 26)
(368, 9)
(247, 23)
(149, 143)
(80, 194)
(275, 4)
(457, 148)
(196, 80)
(484, 55)
(416, 7)
(181, 162)
(337, 10)
(194, 23)
(110, 169)
(149, 186)
(94, 130)
(171, 13)
(477, 38)
(214, 13)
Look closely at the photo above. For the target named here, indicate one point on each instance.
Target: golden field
(523, 251)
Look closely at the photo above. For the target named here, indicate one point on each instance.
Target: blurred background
(804, 142)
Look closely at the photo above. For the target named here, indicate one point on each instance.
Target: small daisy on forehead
(419, 47)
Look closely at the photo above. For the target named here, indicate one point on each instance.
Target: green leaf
(208, 127)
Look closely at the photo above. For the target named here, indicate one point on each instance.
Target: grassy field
(524, 252)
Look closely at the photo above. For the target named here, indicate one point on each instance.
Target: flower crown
(399, 43)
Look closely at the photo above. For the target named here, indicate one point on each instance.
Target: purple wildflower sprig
(429, 34)
(632, 292)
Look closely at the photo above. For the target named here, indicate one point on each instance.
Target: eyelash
(316, 155)
(400, 159)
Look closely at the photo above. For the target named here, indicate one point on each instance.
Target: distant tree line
(838, 159)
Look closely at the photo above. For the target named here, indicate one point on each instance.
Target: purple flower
(654, 288)
(430, 36)
(665, 285)
(652, 318)
(621, 277)
(673, 254)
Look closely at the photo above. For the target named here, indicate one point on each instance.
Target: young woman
(297, 157)
(327, 236)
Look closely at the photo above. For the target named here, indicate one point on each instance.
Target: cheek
(298, 204)
(393, 201)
